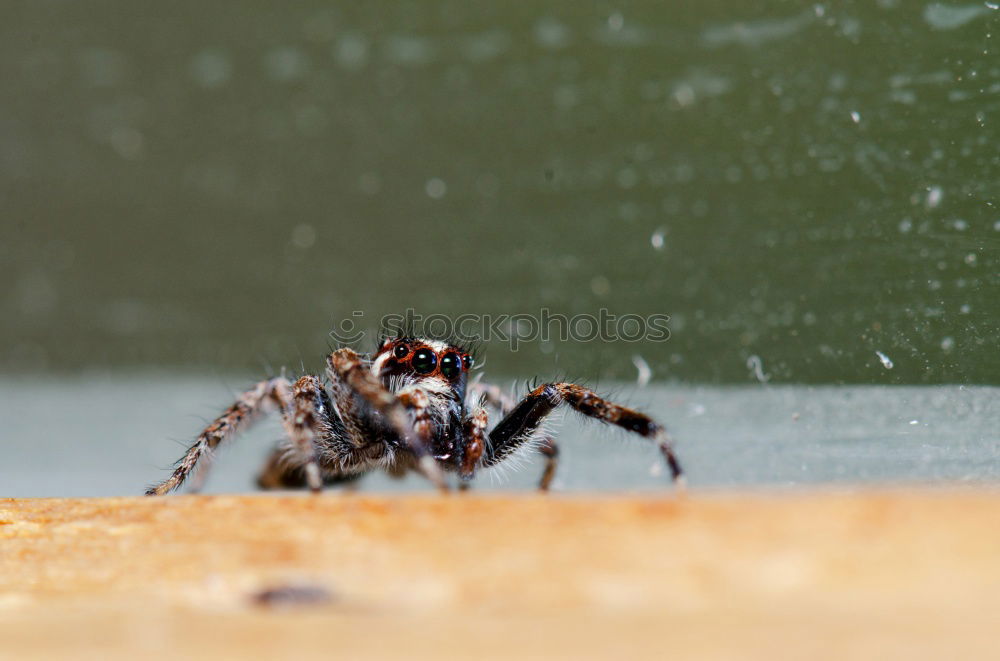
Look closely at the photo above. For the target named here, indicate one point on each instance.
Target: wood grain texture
(781, 575)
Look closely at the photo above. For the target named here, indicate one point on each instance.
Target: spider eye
(467, 363)
(451, 365)
(424, 361)
(400, 351)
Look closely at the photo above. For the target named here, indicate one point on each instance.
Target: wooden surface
(884, 574)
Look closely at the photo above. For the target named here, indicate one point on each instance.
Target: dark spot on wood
(292, 596)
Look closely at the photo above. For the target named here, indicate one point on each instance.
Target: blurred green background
(214, 186)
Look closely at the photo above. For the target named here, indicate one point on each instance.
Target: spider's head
(402, 360)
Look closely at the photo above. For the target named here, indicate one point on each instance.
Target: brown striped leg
(521, 422)
(499, 399)
(352, 375)
(247, 407)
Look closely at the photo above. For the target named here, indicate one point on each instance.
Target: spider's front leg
(499, 399)
(350, 375)
(518, 426)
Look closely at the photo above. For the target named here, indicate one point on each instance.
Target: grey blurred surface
(95, 436)
(214, 186)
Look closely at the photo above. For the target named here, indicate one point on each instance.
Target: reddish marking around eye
(403, 352)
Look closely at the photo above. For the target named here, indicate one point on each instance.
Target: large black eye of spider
(424, 361)
(400, 351)
(451, 365)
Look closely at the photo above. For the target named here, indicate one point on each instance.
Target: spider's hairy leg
(500, 400)
(351, 375)
(303, 421)
(248, 406)
(519, 424)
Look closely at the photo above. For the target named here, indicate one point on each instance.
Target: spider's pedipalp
(474, 431)
(416, 400)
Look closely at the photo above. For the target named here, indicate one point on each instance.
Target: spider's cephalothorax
(409, 406)
(430, 378)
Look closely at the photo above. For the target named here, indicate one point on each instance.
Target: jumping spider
(408, 407)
